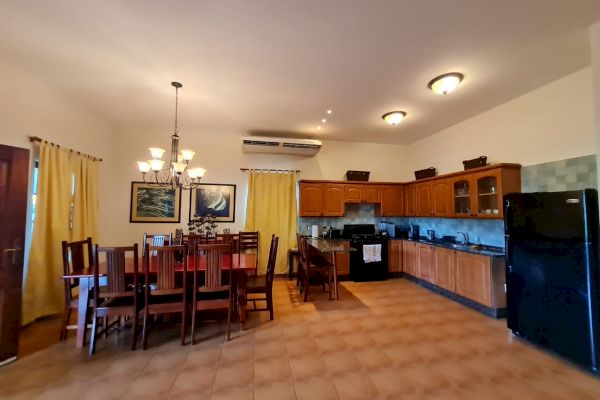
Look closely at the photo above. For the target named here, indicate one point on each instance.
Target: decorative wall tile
(570, 174)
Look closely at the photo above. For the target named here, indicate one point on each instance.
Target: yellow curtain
(85, 201)
(271, 209)
(43, 289)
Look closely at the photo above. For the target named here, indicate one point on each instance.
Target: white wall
(551, 123)
(31, 108)
(222, 156)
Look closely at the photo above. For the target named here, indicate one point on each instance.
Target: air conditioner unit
(302, 147)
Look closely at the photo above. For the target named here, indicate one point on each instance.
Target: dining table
(331, 247)
(239, 263)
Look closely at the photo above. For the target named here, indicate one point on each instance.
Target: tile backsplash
(355, 214)
(570, 174)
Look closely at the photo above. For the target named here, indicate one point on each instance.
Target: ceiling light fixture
(318, 128)
(394, 117)
(177, 173)
(445, 83)
(329, 111)
(324, 120)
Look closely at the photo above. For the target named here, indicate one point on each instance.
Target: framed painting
(154, 204)
(213, 199)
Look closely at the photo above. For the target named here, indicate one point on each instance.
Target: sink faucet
(465, 237)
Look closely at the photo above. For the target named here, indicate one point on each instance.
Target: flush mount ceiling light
(445, 83)
(394, 117)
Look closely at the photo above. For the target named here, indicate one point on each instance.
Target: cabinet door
(424, 203)
(426, 262)
(394, 255)
(342, 263)
(392, 201)
(441, 193)
(488, 194)
(464, 201)
(472, 277)
(352, 193)
(409, 257)
(311, 199)
(371, 194)
(410, 200)
(333, 200)
(444, 268)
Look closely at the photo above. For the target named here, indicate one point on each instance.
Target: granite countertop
(484, 250)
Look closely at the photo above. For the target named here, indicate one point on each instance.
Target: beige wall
(551, 123)
(30, 108)
(595, 52)
(223, 157)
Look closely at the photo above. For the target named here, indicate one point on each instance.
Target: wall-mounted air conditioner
(259, 144)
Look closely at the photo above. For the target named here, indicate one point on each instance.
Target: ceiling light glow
(445, 83)
(394, 117)
(329, 111)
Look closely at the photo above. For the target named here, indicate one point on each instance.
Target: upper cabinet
(392, 201)
(441, 193)
(424, 200)
(352, 194)
(410, 200)
(370, 194)
(311, 199)
(463, 197)
(333, 200)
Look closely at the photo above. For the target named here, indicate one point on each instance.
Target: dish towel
(371, 253)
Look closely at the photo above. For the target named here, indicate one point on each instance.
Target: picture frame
(216, 199)
(154, 204)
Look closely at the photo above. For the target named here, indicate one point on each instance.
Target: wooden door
(311, 199)
(371, 194)
(444, 268)
(333, 200)
(442, 197)
(424, 201)
(410, 200)
(426, 262)
(352, 193)
(14, 172)
(464, 202)
(472, 277)
(394, 255)
(392, 201)
(409, 257)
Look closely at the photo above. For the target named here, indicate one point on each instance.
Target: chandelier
(176, 174)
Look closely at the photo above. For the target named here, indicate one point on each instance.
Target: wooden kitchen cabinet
(444, 268)
(311, 199)
(394, 256)
(426, 262)
(463, 197)
(473, 277)
(410, 200)
(352, 194)
(333, 200)
(342, 262)
(409, 257)
(442, 197)
(392, 201)
(371, 194)
(490, 186)
(424, 200)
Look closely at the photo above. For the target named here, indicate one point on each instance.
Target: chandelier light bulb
(187, 155)
(179, 167)
(143, 166)
(156, 152)
(445, 83)
(156, 165)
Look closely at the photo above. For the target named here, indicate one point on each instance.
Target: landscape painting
(213, 199)
(151, 203)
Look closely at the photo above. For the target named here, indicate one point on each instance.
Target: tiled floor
(383, 340)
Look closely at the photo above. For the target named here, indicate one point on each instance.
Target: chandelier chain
(176, 104)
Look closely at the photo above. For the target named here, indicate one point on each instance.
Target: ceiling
(277, 65)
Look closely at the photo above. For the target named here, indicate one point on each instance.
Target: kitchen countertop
(483, 250)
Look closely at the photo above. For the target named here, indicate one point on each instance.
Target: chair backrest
(157, 240)
(215, 255)
(302, 249)
(74, 259)
(272, 261)
(116, 281)
(165, 263)
(248, 240)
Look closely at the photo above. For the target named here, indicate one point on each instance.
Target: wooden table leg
(241, 295)
(84, 292)
(335, 282)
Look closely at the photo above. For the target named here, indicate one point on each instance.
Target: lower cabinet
(473, 277)
(409, 257)
(426, 262)
(394, 256)
(444, 268)
(342, 262)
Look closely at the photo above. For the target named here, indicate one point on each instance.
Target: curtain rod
(40, 140)
(269, 170)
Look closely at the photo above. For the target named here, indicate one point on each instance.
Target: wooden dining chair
(74, 259)
(116, 297)
(299, 274)
(264, 284)
(167, 294)
(211, 291)
(249, 241)
(156, 240)
(318, 267)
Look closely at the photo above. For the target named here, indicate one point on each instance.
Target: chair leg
(194, 324)
(270, 304)
(94, 333)
(65, 321)
(229, 319)
(135, 332)
(183, 325)
(306, 286)
(145, 332)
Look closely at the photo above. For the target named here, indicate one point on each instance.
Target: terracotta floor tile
(315, 387)
(275, 390)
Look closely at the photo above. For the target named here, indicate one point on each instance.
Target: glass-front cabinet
(489, 194)
(462, 197)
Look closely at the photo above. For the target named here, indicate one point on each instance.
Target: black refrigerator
(552, 275)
